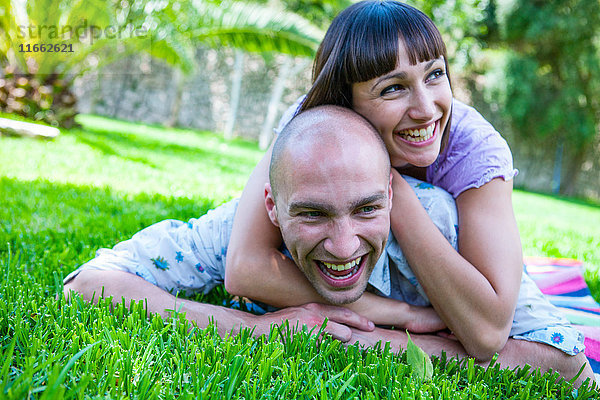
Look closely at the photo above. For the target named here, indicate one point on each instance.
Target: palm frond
(253, 27)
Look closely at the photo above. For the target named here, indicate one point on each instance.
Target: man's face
(333, 212)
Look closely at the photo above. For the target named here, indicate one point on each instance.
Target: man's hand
(341, 322)
(384, 311)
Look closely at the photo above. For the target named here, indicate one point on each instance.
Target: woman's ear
(270, 204)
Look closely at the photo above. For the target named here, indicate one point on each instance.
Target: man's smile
(343, 274)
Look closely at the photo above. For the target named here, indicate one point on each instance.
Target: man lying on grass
(330, 194)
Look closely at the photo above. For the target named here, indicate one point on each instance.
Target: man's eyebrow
(309, 205)
(374, 198)
(314, 205)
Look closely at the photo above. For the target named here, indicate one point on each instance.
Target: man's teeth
(350, 268)
(342, 267)
(418, 135)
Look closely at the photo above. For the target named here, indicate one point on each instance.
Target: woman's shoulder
(470, 130)
(468, 124)
(475, 154)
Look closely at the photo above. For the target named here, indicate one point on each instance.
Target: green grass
(560, 227)
(92, 187)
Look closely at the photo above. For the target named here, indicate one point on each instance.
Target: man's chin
(341, 297)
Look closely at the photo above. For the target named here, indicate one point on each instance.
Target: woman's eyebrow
(431, 62)
(402, 75)
(396, 75)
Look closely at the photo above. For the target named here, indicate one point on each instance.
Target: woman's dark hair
(363, 42)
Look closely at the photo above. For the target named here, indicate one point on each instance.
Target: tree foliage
(318, 12)
(98, 32)
(461, 24)
(552, 85)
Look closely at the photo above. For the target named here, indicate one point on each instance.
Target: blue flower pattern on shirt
(557, 338)
(424, 185)
(160, 263)
(223, 254)
(179, 256)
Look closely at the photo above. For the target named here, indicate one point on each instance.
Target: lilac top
(475, 153)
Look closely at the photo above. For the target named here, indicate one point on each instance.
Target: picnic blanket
(561, 280)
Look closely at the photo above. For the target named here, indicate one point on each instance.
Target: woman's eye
(391, 89)
(436, 74)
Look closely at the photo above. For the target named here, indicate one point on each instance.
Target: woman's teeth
(418, 135)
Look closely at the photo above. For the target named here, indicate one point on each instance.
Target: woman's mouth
(418, 137)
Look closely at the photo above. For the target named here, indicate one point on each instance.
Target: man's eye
(311, 214)
(367, 209)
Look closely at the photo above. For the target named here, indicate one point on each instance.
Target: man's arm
(398, 339)
(390, 312)
(123, 286)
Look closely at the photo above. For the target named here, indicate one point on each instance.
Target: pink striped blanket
(561, 280)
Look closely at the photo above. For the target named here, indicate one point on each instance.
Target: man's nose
(342, 241)
(422, 104)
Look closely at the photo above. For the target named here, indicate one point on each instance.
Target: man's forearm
(123, 286)
(126, 287)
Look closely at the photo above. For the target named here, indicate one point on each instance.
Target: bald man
(330, 195)
(173, 256)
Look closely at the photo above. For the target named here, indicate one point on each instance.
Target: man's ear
(270, 204)
(390, 190)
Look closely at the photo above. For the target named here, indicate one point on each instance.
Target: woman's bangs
(374, 40)
(422, 40)
(372, 52)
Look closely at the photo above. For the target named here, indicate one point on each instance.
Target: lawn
(91, 187)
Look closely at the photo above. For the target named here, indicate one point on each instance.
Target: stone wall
(124, 91)
(536, 170)
(536, 162)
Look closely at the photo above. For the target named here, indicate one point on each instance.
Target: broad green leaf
(418, 360)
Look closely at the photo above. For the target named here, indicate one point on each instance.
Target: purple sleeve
(475, 154)
(289, 114)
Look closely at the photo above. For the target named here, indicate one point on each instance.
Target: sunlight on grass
(554, 227)
(92, 187)
(558, 228)
(133, 159)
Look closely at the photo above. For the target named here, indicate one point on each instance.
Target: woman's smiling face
(410, 107)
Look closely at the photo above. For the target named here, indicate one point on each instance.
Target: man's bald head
(330, 195)
(337, 130)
